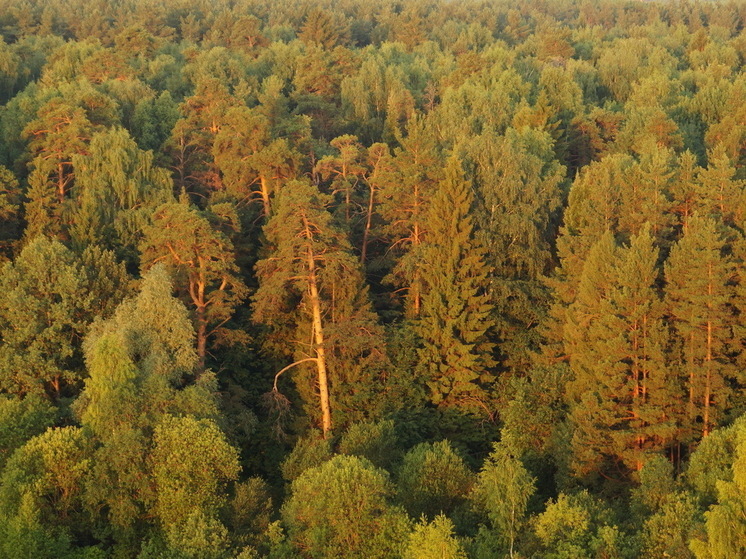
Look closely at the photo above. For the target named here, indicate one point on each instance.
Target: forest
(406, 279)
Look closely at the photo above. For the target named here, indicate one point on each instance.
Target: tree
(577, 527)
(10, 212)
(117, 187)
(502, 490)
(405, 200)
(623, 399)
(184, 486)
(60, 131)
(20, 420)
(455, 309)
(201, 256)
(47, 476)
(518, 186)
(434, 539)
(140, 363)
(252, 161)
(433, 479)
(699, 298)
(312, 279)
(725, 526)
(346, 171)
(342, 508)
(51, 297)
(720, 194)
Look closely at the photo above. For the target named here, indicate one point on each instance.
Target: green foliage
(309, 452)
(341, 508)
(189, 482)
(20, 420)
(202, 261)
(376, 442)
(725, 526)
(434, 539)
(711, 463)
(501, 493)
(577, 526)
(433, 479)
(117, 186)
(50, 297)
(43, 481)
(454, 315)
(250, 511)
(392, 183)
(667, 532)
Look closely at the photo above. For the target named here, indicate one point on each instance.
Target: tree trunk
(264, 186)
(368, 220)
(318, 335)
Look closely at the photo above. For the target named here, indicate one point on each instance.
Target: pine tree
(203, 262)
(720, 194)
(699, 298)
(60, 131)
(345, 172)
(645, 195)
(311, 290)
(406, 196)
(251, 160)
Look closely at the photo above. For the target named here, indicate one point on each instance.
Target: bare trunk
(368, 220)
(201, 337)
(265, 195)
(708, 377)
(318, 334)
(61, 182)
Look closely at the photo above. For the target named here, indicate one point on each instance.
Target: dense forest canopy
(405, 279)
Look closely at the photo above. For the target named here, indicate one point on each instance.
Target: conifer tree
(10, 211)
(455, 357)
(518, 186)
(720, 194)
(345, 172)
(60, 131)
(311, 290)
(406, 197)
(699, 302)
(203, 262)
(251, 160)
(645, 195)
(621, 394)
(593, 208)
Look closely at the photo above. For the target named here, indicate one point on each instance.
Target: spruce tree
(699, 301)
(455, 357)
(622, 397)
